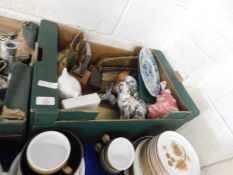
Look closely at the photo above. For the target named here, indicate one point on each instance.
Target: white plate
(149, 72)
(154, 157)
(135, 144)
(177, 155)
(137, 160)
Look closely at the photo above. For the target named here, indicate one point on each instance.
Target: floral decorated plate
(149, 71)
(176, 154)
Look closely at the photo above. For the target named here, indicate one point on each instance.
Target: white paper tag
(47, 84)
(45, 101)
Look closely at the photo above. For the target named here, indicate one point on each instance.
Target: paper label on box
(47, 84)
(45, 101)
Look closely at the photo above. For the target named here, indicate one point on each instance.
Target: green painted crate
(84, 124)
(17, 97)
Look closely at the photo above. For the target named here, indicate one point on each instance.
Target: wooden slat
(9, 25)
(65, 36)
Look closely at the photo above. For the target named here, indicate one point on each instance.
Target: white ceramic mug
(48, 152)
(8, 52)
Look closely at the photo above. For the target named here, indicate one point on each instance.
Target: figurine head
(131, 82)
(122, 88)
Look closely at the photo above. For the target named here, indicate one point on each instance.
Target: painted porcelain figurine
(132, 85)
(68, 86)
(131, 82)
(109, 96)
(165, 103)
(129, 106)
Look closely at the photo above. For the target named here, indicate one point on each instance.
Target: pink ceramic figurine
(165, 104)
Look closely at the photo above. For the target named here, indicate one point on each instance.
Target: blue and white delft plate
(149, 71)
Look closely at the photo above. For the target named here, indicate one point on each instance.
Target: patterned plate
(177, 155)
(149, 71)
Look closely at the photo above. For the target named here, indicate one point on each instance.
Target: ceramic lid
(121, 153)
(177, 155)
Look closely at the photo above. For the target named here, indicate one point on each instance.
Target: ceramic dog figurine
(131, 82)
(132, 85)
(109, 96)
(129, 106)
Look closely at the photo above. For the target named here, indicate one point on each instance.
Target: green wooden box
(84, 124)
(17, 97)
(14, 129)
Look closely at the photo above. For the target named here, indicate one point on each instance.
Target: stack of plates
(166, 154)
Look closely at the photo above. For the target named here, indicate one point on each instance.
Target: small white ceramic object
(120, 153)
(14, 168)
(109, 96)
(163, 85)
(68, 86)
(81, 170)
(149, 71)
(8, 49)
(177, 155)
(89, 102)
(48, 152)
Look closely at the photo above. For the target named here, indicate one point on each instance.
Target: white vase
(69, 87)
